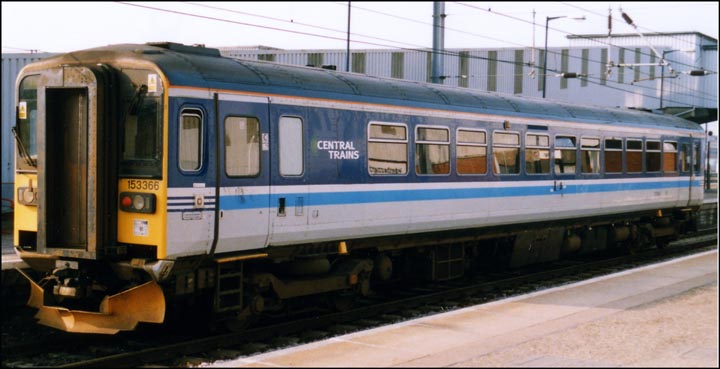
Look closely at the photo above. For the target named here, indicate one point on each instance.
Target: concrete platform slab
(661, 315)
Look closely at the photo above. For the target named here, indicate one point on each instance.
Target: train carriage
(157, 173)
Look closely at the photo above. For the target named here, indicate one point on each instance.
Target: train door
(564, 171)
(73, 171)
(696, 178)
(289, 214)
(686, 171)
(243, 147)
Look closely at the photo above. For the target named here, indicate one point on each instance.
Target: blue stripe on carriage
(366, 197)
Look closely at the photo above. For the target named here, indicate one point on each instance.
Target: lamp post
(347, 54)
(547, 23)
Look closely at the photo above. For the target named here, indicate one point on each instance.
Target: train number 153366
(139, 184)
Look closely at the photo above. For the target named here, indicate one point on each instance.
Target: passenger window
(613, 155)
(565, 155)
(387, 149)
(471, 152)
(190, 145)
(652, 156)
(506, 153)
(432, 150)
(537, 154)
(291, 146)
(696, 158)
(242, 146)
(669, 156)
(590, 155)
(633, 156)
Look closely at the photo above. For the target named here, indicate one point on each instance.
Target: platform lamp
(547, 22)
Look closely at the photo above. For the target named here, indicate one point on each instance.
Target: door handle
(281, 207)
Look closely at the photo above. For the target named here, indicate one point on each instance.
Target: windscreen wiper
(21, 149)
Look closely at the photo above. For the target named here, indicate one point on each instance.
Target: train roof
(197, 66)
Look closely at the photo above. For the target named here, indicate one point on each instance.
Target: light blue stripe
(240, 202)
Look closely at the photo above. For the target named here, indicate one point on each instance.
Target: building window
(432, 150)
(315, 59)
(398, 64)
(358, 62)
(519, 76)
(492, 71)
(590, 155)
(613, 155)
(603, 66)
(242, 146)
(387, 149)
(266, 57)
(636, 69)
(190, 145)
(471, 152)
(541, 58)
(537, 154)
(633, 156)
(290, 139)
(464, 69)
(651, 71)
(584, 69)
(621, 71)
(564, 60)
(506, 153)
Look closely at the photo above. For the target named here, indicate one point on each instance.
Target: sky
(67, 26)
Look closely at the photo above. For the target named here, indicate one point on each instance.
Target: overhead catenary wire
(592, 39)
(331, 37)
(645, 28)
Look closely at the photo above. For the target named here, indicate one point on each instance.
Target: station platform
(10, 260)
(664, 315)
(711, 197)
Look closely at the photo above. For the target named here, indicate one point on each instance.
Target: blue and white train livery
(160, 174)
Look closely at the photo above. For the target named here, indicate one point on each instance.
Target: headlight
(136, 202)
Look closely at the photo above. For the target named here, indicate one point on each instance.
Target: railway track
(386, 306)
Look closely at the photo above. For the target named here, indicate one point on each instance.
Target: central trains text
(339, 149)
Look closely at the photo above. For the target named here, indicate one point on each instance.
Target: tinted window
(291, 146)
(190, 142)
(387, 149)
(506, 153)
(633, 156)
(242, 147)
(471, 152)
(590, 155)
(432, 150)
(613, 155)
(565, 155)
(537, 154)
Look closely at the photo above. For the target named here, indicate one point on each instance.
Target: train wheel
(343, 302)
(241, 322)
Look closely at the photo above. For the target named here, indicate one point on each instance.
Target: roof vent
(197, 49)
